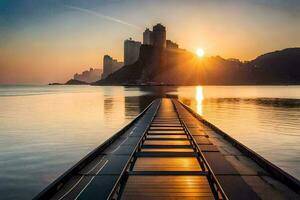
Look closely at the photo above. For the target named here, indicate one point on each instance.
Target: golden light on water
(199, 99)
(200, 52)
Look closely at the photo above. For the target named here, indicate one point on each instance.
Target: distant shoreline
(175, 85)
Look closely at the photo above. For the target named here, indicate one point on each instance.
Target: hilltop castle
(132, 48)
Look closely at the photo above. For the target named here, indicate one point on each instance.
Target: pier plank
(208, 148)
(99, 188)
(163, 127)
(167, 150)
(166, 164)
(167, 142)
(167, 132)
(167, 136)
(219, 164)
(170, 187)
(115, 165)
(120, 150)
(236, 188)
(202, 140)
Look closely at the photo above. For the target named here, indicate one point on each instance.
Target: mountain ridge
(180, 67)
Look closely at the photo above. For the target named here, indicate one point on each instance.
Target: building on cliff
(131, 51)
(110, 65)
(90, 76)
(155, 56)
(147, 37)
(159, 36)
(171, 45)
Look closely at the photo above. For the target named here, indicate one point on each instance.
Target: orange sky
(41, 45)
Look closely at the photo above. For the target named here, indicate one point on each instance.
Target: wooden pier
(169, 152)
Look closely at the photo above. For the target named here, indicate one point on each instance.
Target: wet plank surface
(167, 187)
(208, 148)
(166, 142)
(165, 128)
(167, 164)
(228, 176)
(167, 132)
(167, 151)
(167, 136)
(202, 140)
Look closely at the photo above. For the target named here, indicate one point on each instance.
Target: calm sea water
(44, 130)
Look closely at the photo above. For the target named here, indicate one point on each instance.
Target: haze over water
(44, 130)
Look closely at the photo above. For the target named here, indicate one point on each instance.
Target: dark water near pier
(44, 130)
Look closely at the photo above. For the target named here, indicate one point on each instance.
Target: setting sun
(200, 52)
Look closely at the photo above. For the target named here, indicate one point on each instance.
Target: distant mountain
(277, 67)
(75, 82)
(55, 84)
(181, 67)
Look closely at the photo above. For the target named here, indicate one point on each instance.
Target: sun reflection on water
(199, 99)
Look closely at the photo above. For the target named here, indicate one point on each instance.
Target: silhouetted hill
(181, 67)
(277, 67)
(55, 84)
(75, 82)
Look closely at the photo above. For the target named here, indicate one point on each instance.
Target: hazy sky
(50, 40)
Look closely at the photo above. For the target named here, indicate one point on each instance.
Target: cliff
(181, 67)
(75, 82)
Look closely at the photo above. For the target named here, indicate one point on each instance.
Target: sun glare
(200, 52)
